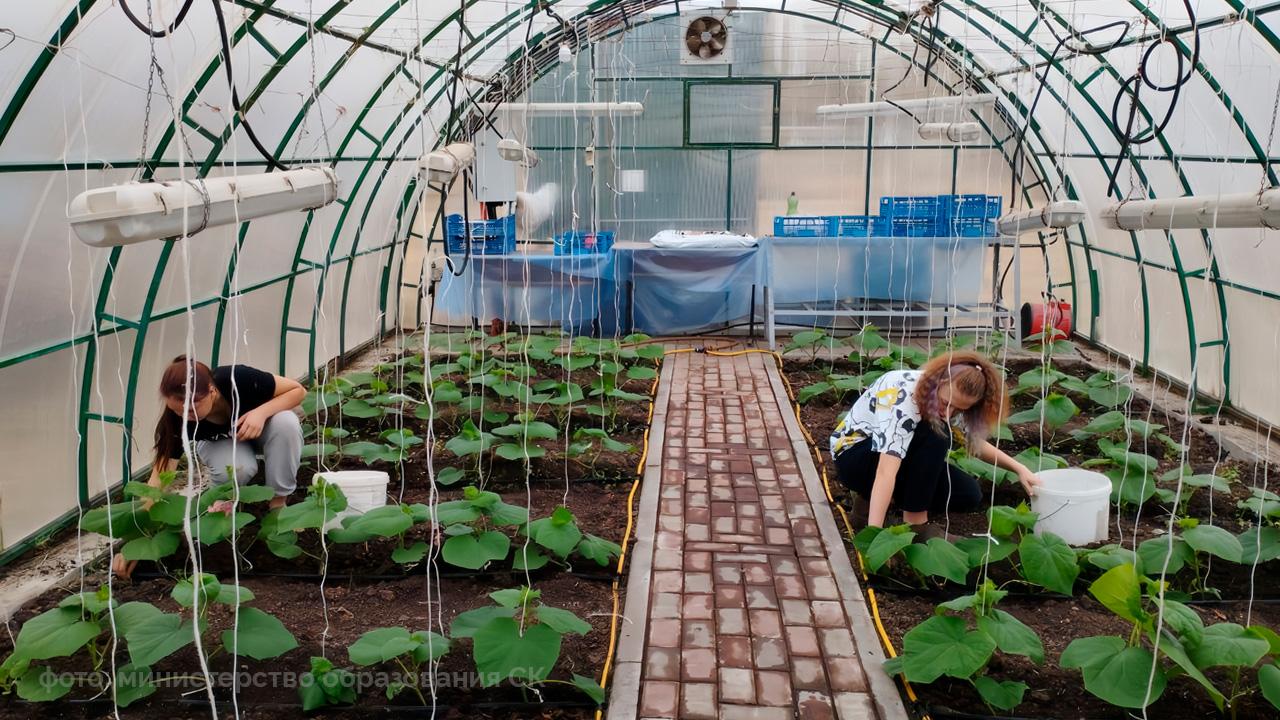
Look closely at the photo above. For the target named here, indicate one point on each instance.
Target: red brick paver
(743, 610)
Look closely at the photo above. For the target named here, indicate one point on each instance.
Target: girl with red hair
(892, 445)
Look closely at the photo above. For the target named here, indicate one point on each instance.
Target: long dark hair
(182, 375)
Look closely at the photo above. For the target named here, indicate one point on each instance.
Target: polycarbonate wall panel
(40, 440)
(721, 113)
(799, 122)
(251, 328)
(826, 182)
(670, 199)
(1253, 355)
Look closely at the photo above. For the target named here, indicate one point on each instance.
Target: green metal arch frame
(105, 325)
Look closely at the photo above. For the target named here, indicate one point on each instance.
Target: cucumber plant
(409, 651)
(962, 646)
(471, 526)
(556, 538)
(518, 639)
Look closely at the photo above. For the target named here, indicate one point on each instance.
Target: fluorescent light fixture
(566, 109)
(1243, 210)
(1059, 214)
(917, 105)
(137, 212)
(512, 150)
(566, 55)
(951, 132)
(445, 164)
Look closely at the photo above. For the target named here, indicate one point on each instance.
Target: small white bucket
(364, 489)
(1074, 504)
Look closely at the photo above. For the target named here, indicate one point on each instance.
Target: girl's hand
(1029, 481)
(249, 426)
(121, 567)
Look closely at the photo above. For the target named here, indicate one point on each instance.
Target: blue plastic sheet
(570, 291)
(944, 270)
(687, 290)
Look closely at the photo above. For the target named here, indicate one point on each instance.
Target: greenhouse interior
(639, 359)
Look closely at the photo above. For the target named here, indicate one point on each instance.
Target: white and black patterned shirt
(886, 414)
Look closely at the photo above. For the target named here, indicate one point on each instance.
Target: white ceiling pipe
(566, 109)
(1059, 214)
(137, 212)
(951, 132)
(917, 105)
(1243, 210)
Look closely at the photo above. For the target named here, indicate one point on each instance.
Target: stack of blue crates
(903, 216)
(488, 237)
(577, 242)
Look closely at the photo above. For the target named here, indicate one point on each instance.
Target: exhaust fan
(706, 41)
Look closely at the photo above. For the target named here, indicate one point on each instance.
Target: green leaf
(1012, 636)
(1215, 541)
(1130, 485)
(1269, 683)
(938, 558)
(590, 687)
(1007, 521)
(309, 514)
(41, 684)
(1111, 395)
(1120, 592)
(318, 450)
(529, 558)
(450, 476)
(59, 632)
(562, 621)
(560, 538)
(357, 408)
(431, 646)
(1048, 561)
(980, 550)
(258, 635)
(503, 652)
(1104, 424)
(1152, 553)
(184, 592)
(942, 645)
(1109, 556)
(1054, 410)
(466, 624)
(469, 441)
(1114, 672)
(380, 645)
(474, 552)
(409, 555)
(640, 372)
(1001, 694)
(506, 514)
(885, 545)
(513, 451)
(213, 528)
(1259, 545)
(810, 392)
(1036, 460)
(386, 521)
(600, 550)
(133, 683)
(158, 638)
(154, 547)
(1228, 644)
(119, 520)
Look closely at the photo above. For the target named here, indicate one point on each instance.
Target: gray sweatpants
(281, 448)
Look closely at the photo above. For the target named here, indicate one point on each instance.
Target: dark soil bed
(333, 618)
(1055, 692)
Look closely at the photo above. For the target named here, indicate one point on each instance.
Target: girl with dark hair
(229, 414)
(892, 445)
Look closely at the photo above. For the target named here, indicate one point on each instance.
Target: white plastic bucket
(364, 489)
(1074, 505)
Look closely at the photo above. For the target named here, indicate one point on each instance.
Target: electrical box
(495, 177)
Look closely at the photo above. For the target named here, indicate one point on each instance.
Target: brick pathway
(741, 602)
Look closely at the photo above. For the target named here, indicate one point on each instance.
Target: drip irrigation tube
(377, 577)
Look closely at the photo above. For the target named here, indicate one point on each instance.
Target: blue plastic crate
(967, 227)
(912, 227)
(854, 225)
(584, 243)
(971, 206)
(804, 225)
(910, 206)
(488, 237)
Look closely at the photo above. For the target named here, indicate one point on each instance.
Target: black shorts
(926, 481)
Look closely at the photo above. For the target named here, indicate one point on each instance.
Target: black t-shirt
(246, 388)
